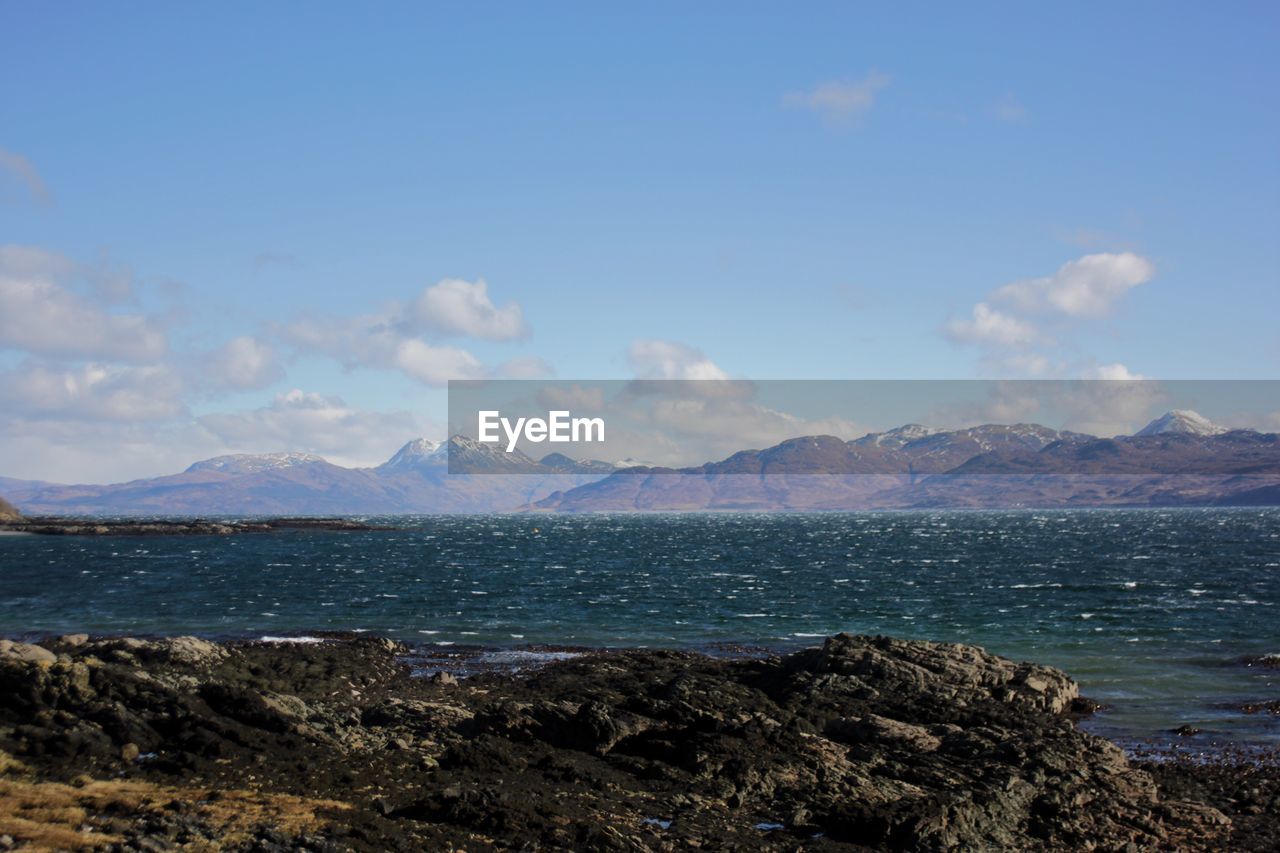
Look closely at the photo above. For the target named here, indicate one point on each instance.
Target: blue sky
(277, 191)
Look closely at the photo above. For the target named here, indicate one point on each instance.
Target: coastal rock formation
(863, 743)
(8, 512)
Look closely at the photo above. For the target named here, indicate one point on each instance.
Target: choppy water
(1151, 611)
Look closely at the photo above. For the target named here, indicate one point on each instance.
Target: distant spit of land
(59, 526)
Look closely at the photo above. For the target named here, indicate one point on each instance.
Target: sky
(242, 227)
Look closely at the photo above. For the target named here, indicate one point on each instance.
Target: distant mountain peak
(561, 463)
(253, 463)
(897, 436)
(467, 456)
(462, 442)
(420, 451)
(631, 462)
(1183, 422)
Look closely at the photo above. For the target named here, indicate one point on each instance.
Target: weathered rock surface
(864, 743)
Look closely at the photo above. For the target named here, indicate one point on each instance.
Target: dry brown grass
(51, 815)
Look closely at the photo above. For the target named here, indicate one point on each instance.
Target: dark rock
(865, 742)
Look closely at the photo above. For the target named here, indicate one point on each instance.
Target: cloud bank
(1018, 326)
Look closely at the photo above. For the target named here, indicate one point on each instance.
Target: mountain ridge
(911, 465)
(988, 466)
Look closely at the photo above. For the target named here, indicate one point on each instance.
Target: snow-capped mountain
(253, 463)
(632, 463)
(561, 463)
(468, 456)
(993, 465)
(419, 452)
(462, 455)
(1183, 422)
(1196, 463)
(417, 479)
(895, 437)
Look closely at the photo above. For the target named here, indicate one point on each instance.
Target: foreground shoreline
(335, 745)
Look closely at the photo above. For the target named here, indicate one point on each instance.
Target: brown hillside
(8, 511)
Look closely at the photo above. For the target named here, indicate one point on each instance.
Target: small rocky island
(862, 743)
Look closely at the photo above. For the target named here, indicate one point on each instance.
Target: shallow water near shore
(1154, 612)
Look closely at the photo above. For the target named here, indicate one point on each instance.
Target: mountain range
(1180, 458)
(415, 480)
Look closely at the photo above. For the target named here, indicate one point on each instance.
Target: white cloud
(101, 397)
(1086, 287)
(687, 430)
(306, 421)
(41, 316)
(841, 101)
(375, 341)
(434, 365)
(1103, 408)
(454, 307)
(1017, 327)
(94, 392)
(72, 450)
(987, 326)
(1006, 402)
(727, 426)
(1116, 407)
(21, 170)
(400, 337)
(1114, 372)
(243, 364)
(77, 451)
(655, 359)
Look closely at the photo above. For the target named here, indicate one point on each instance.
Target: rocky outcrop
(865, 742)
(8, 512)
(28, 652)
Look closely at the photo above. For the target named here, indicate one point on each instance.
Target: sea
(1168, 617)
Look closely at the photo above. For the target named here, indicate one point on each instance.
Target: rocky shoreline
(863, 743)
(61, 526)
